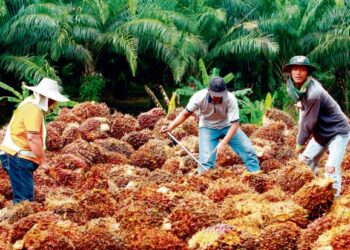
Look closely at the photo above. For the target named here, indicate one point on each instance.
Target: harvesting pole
(187, 151)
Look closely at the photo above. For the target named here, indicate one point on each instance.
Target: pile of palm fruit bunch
(116, 182)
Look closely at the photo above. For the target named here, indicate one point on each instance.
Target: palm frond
(122, 43)
(85, 34)
(14, 6)
(132, 6)
(98, 9)
(238, 8)
(181, 21)
(61, 37)
(10, 99)
(169, 55)
(86, 20)
(27, 68)
(3, 10)
(190, 47)
(332, 18)
(334, 47)
(117, 6)
(310, 40)
(10, 89)
(77, 52)
(211, 23)
(340, 4)
(43, 47)
(277, 26)
(145, 29)
(24, 25)
(176, 49)
(253, 43)
(49, 9)
(310, 15)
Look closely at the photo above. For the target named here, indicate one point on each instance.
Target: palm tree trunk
(340, 76)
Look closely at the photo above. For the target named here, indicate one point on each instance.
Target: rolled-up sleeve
(193, 103)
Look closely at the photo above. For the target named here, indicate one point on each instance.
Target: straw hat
(49, 88)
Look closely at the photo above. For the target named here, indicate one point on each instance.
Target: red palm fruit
(316, 196)
(94, 128)
(70, 133)
(293, 176)
(273, 114)
(87, 110)
(249, 129)
(150, 118)
(54, 140)
(313, 231)
(66, 116)
(86, 151)
(122, 124)
(279, 236)
(21, 227)
(152, 155)
(138, 138)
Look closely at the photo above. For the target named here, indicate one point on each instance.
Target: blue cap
(217, 87)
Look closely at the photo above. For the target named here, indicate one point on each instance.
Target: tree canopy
(128, 43)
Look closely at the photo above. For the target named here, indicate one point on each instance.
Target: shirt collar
(210, 100)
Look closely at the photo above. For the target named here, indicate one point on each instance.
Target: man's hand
(176, 122)
(299, 148)
(220, 148)
(298, 105)
(43, 164)
(165, 129)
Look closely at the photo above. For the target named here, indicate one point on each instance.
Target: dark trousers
(20, 172)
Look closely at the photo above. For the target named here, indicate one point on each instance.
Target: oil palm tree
(330, 46)
(13, 50)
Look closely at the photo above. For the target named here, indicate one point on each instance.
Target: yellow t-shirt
(27, 118)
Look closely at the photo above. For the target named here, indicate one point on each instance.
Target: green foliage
(253, 112)
(246, 45)
(92, 87)
(3, 10)
(38, 37)
(193, 85)
(283, 101)
(29, 68)
(17, 97)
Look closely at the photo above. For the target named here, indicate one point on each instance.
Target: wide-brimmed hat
(217, 87)
(49, 88)
(298, 60)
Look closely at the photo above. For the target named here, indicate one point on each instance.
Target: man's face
(216, 99)
(299, 74)
(51, 103)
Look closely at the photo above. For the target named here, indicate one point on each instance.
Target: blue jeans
(240, 143)
(20, 172)
(336, 147)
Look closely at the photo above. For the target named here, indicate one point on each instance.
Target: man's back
(214, 115)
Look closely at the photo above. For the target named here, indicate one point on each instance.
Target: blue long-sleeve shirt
(321, 116)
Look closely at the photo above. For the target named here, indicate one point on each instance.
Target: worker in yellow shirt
(22, 149)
